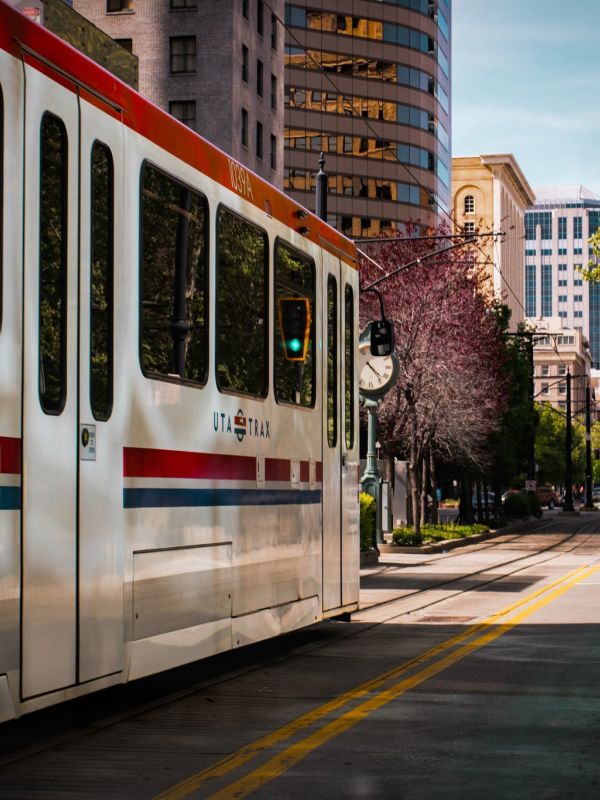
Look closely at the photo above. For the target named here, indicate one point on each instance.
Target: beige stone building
(490, 194)
(558, 350)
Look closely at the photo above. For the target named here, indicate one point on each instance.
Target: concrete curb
(438, 547)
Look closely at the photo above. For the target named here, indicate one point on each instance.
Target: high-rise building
(557, 229)
(490, 194)
(556, 350)
(368, 84)
(216, 66)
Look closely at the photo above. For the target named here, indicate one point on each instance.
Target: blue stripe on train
(10, 498)
(165, 498)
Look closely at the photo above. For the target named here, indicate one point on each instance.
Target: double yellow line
(490, 630)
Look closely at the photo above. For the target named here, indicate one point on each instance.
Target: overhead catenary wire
(396, 160)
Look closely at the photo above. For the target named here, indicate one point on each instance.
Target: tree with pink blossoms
(451, 392)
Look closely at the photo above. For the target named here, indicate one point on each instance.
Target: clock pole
(371, 478)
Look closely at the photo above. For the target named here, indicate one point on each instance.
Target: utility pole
(568, 507)
(589, 505)
(321, 190)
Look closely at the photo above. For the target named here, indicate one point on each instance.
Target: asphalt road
(469, 674)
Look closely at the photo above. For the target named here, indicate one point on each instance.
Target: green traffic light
(295, 345)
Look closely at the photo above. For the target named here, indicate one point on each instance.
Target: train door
(332, 434)
(99, 449)
(350, 546)
(49, 499)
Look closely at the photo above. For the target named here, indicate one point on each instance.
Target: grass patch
(435, 533)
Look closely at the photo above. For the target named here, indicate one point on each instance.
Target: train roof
(46, 52)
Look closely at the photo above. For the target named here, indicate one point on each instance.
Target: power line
(396, 160)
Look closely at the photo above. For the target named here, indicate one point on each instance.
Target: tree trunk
(415, 469)
(434, 488)
(424, 492)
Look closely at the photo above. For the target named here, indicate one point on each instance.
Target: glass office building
(557, 229)
(368, 84)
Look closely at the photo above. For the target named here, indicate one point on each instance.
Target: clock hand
(379, 375)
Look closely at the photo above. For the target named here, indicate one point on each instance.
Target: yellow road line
(249, 751)
(283, 761)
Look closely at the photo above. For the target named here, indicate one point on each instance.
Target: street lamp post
(589, 505)
(371, 478)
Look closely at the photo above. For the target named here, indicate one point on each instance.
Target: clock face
(376, 374)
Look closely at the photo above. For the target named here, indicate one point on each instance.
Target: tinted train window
(294, 277)
(1, 198)
(332, 361)
(101, 269)
(173, 279)
(349, 367)
(242, 317)
(53, 265)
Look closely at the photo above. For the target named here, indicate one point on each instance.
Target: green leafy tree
(550, 443)
(591, 272)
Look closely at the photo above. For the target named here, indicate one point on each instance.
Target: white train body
(173, 517)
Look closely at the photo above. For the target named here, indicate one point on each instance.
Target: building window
(259, 77)
(562, 282)
(244, 128)
(245, 10)
(245, 61)
(273, 92)
(273, 32)
(184, 111)
(562, 370)
(469, 230)
(174, 277)
(578, 298)
(127, 44)
(544, 388)
(183, 54)
(578, 314)
(177, 5)
(562, 227)
(273, 152)
(294, 278)
(562, 388)
(469, 204)
(259, 140)
(546, 290)
(562, 267)
(577, 227)
(242, 325)
(562, 298)
(118, 5)
(260, 17)
(545, 370)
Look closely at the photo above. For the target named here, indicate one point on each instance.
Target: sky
(526, 81)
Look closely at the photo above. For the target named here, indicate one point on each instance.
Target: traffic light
(294, 323)
(382, 337)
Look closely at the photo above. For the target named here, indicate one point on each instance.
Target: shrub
(435, 533)
(367, 521)
(535, 508)
(517, 505)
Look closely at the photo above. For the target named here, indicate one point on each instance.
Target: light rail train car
(174, 481)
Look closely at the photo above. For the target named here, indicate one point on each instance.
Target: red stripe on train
(145, 462)
(10, 455)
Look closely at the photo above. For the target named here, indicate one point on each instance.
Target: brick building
(216, 66)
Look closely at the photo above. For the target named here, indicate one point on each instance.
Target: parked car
(491, 500)
(547, 496)
(595, 494)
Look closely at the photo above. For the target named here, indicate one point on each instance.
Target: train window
(101, 292)
(294, 277)
(1, 197)
(242, 315)
(332, 361)
(53, 265)
(173, 279)
(349, 367)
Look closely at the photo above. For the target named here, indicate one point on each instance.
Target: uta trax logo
(240, 425)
